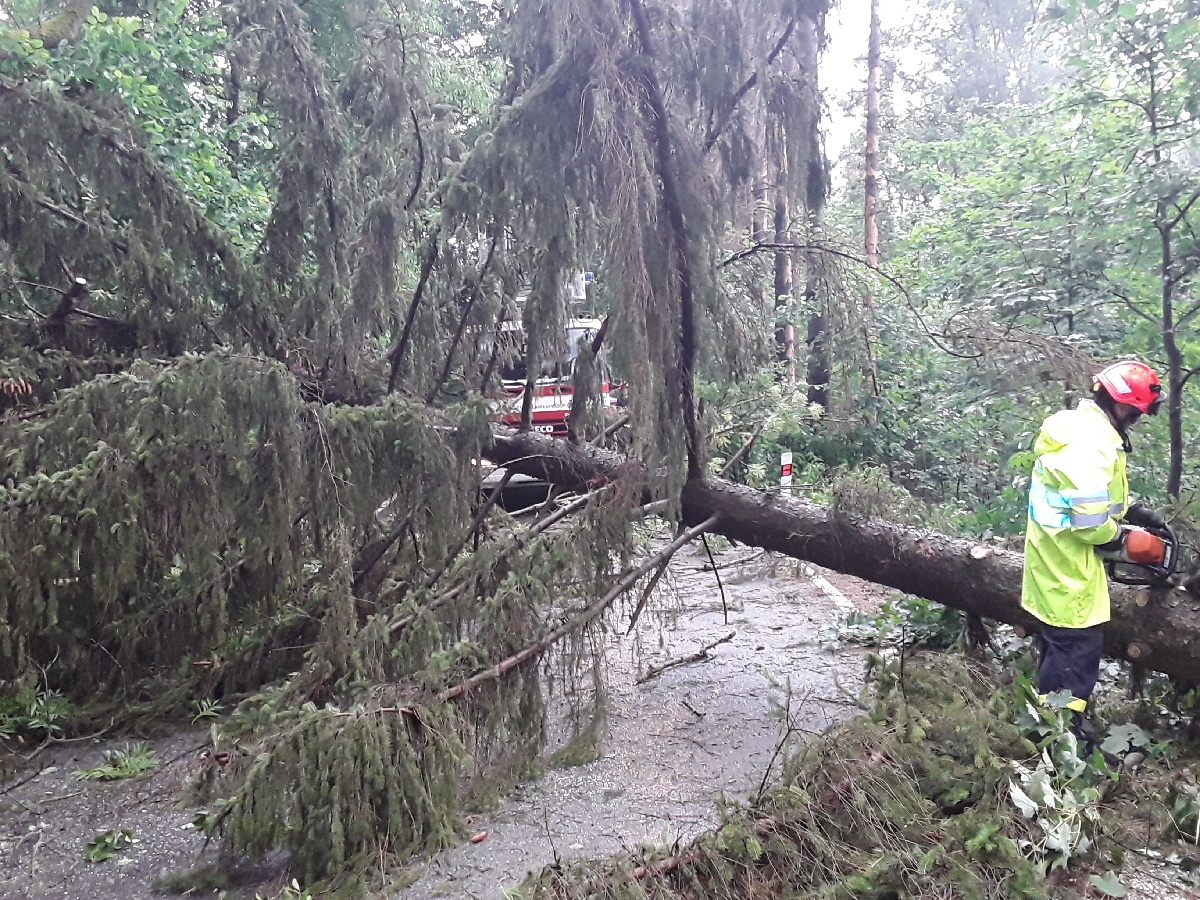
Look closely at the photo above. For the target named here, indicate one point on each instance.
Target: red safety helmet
(1133, 383)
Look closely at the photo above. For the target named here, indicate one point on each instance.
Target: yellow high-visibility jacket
(1078, 492)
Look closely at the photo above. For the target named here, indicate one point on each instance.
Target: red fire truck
(553, 390)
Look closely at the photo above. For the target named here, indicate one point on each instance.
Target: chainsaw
(1147, 555)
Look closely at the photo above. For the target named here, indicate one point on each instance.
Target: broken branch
(699, 656)
(628, 580)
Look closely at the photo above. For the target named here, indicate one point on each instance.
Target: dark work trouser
(1071, 662)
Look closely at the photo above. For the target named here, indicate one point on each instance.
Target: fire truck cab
(554, 386)
(553, 390)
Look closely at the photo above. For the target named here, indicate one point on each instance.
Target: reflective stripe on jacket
(1077, 494)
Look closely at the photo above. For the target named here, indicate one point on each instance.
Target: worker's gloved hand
(1115, 548)
(1140, 514)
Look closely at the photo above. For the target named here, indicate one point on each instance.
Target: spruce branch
(726, 113)
(646, 592)
(396, 355)
(480, 515)
(370, 555)
(420, 173)
(474, 292)
(699, 656)
(937, 339)
(165, 230)
(519, 542)
(743, 450)
(679, 242)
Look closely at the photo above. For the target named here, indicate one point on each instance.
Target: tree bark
(1174, 356)
(1159, 629)
(785, 330)
(871, 175)
(1164, 223)
(871, 194)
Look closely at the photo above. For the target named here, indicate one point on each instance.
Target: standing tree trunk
(871, 183)
(871, 193)
(819, 367)
(786, 331)
(1165, 220)
(1175, 374)
(758, 230)
(818, 372)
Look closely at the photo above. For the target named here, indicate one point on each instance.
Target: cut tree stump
(1157, 628)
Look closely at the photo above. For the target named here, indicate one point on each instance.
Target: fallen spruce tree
(1155, 628)
(219, 487)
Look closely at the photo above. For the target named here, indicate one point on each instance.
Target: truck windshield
(557, 369)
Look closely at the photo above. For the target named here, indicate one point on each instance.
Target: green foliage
(905, 621)
(1062, 793)
(34, 714)
(206, 708)
(336, 787)
(166, 70)
(1034, 234)
(108, 844)
(135, 508)
(771, 412)
(1183, 806)
(1123, 738)
(129, 761)
(209, 489)
(933, 451)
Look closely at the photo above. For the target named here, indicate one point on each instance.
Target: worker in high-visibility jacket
(1077, 494)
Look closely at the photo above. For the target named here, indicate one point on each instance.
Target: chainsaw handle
(1171, 545)
(1148, 574)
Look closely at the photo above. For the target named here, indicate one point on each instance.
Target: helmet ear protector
(1157, 401)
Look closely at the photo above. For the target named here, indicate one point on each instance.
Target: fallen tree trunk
(1156, 628)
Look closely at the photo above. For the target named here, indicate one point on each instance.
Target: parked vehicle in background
(554, 389)
(553, 392)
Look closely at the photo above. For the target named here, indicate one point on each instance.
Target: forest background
(251, 255)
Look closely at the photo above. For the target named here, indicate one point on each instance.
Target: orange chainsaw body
(1144, 548)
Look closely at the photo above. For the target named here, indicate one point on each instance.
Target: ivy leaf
(1027, 807)
(1108, 884)
(1127, 11)
(1123, 738)
(107, 845)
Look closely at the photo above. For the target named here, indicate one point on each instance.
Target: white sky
(844, 62)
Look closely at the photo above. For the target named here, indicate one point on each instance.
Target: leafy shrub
(38, 716)
(907, 620)
(127, 762)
